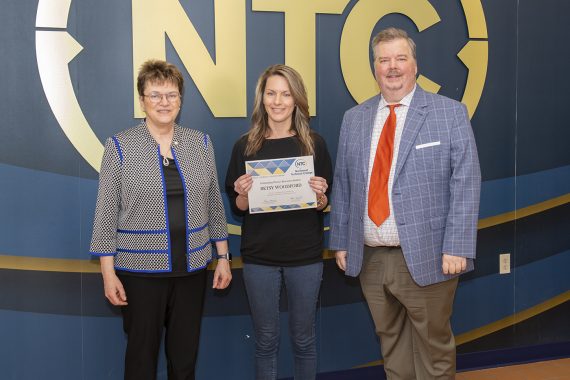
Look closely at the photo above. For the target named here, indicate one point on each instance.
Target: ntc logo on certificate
(281, 184)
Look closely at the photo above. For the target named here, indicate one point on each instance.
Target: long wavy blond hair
(300, 119)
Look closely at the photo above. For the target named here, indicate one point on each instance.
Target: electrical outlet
(504, 263)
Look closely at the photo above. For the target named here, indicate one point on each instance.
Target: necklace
(158, 139)
(166, 160)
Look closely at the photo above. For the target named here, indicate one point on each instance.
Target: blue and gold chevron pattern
(268, 167)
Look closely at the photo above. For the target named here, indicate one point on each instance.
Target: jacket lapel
(370, 109)
(414, 121)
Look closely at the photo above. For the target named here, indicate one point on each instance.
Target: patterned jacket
(131, 214)
(435, 195)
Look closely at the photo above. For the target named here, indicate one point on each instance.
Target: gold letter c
(354, 42)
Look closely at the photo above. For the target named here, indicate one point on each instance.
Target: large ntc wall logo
(222, 83)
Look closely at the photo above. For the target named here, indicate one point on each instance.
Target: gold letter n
(221, 83)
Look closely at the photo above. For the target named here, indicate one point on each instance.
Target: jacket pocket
(139, 240)
(198, 238)
(428, 145)
(437, 223)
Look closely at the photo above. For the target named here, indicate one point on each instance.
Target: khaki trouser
(411, 321)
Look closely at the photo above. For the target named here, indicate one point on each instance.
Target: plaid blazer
(436, 188)
(131, 220)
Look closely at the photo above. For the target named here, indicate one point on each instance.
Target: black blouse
(287, 238)
(176, 217)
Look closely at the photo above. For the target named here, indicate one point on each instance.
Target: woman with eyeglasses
(158, 212)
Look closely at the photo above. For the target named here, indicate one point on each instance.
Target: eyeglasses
(156, 97)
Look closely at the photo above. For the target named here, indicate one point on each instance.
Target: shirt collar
(406, 100)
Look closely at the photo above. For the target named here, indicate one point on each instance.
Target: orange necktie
(378, 204)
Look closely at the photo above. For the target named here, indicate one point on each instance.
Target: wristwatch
(225, 256)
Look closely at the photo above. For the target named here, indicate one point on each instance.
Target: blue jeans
(263, 286)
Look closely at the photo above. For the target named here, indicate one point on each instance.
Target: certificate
(281, 184)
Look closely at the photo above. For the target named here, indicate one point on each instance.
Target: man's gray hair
(391, 34)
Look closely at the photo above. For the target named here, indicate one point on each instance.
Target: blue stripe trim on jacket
(190, 270)
(142, 270)
(198, 248)
(142, 232)
(165, 208)
(118, 148)
(205, 141)
(156, 251)
(197, 229)
(101, 253)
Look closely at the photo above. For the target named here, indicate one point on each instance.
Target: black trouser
(154, 303)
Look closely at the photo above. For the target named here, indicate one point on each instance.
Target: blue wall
(56, 324)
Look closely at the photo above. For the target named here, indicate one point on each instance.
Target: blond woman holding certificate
(281, 248)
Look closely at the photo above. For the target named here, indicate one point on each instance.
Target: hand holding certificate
(281, 184)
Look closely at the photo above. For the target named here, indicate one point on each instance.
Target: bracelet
(225, 256)
(321, 201)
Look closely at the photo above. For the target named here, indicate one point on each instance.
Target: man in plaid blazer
(408, 264)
